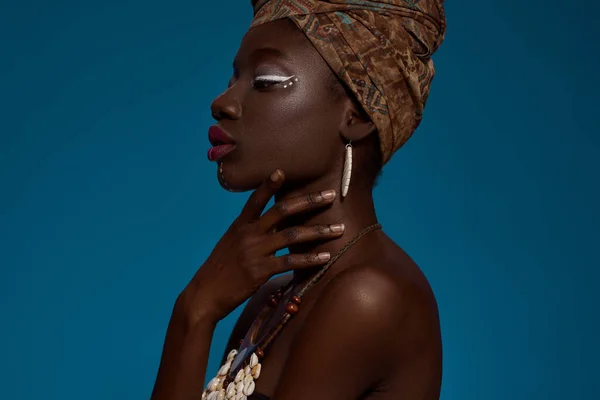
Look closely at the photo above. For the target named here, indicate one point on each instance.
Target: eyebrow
(265, 51)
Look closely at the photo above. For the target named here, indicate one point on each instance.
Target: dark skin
(369, 329)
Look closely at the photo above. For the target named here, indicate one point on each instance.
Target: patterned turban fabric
(381, 50)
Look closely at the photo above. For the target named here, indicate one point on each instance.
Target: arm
(348, 341)
(185, 356)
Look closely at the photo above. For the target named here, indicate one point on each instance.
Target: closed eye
(264, 81)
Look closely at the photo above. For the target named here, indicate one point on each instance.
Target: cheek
(295, 124)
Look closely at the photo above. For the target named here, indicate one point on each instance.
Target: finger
(290, 262)
(285, 208)
(259, 199)
(300, 234)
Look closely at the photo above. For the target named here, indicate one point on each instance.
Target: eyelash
(266, 81)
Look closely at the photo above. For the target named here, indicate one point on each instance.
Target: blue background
(108, 204)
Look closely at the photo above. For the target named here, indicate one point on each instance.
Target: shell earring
(347, 170)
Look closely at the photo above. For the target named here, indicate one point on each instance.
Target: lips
(217, 136)
(221, 141)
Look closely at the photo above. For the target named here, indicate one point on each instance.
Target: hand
(244, 258)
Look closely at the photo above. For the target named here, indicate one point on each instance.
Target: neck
(356, 211)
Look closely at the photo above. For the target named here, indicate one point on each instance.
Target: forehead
(282, 39)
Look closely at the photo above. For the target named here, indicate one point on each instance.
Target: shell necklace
(236, 378)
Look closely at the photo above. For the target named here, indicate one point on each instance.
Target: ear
(356, 125)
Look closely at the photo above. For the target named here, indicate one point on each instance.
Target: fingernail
(275, 176)
(328, 194)
(337, 228)
(324, 256)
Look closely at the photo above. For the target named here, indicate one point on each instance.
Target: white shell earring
(347, 170)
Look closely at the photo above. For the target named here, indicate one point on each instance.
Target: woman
(323, 93)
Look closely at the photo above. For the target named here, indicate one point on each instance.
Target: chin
(234, 180)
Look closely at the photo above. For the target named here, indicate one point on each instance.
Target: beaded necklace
(236, 378)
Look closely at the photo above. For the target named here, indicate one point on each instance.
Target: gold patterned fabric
(381, 50)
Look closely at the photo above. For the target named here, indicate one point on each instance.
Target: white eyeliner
(273, 78)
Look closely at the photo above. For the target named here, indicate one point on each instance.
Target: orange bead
(259, 353)
(296, 299)
(279, 294)
(292, 308)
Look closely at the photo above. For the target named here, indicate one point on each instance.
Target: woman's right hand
(244, 258)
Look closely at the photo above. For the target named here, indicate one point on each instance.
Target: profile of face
(283, 109)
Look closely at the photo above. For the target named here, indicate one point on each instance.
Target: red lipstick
(221, 141)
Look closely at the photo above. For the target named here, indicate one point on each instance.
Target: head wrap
(381, 50)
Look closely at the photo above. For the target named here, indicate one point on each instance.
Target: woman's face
(280, 111)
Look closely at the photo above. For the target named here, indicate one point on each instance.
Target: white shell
(231, 355)
(240, 376)
(256, 371)
(347, 170)
(212, 396)
(240, 396)
(247, 370)
(249, 388)
(224, 369)
(213, 384)
(230, 390)
(248, 379)
(204, 395)
(221, 395)
(253, 360)
(239, 388)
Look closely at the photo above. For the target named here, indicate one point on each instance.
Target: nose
(226, 106)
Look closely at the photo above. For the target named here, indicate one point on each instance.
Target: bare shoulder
(389, 283)
(390, 297)
(364, 292)
(369, 321)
